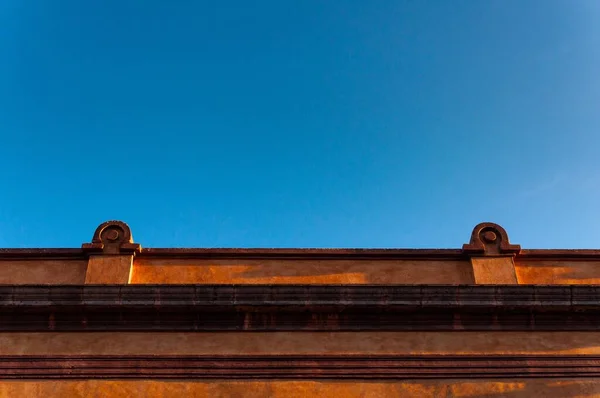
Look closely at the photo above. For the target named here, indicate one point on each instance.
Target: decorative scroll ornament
(112, 237)
(489, 239)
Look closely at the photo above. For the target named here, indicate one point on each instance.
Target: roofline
(299, 254)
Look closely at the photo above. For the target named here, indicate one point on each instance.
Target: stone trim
(298, 367)
(298, 307)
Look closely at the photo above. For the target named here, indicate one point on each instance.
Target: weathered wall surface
(43, 272)
(268, 271)
(112, 257)
(301, 271)
(560, 388)
(301, 343)
(553, 272)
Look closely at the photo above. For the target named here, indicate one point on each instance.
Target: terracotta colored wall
(494, 271)
(399, 343)
(109, 269)
(301, 271)
(358, 271)
(73, 271)
(50, 272)
(558, 272)
(584, 388)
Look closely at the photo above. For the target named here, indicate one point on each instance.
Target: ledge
(309, 254)
(298, 308)
(42, 254)
(300, 254)
(297, 367)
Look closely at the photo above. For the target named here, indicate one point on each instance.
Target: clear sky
(300, 123)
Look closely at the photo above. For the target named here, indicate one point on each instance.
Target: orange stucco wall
(50, 272)
(399, 343)
(558, 272)
(256, 271)
(274, 343)
(583, 388)
(484, 260)
(301, 271)
(500, 270)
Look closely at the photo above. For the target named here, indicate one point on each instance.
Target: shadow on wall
(50, 272)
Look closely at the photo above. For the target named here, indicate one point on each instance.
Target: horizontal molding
(233, 253)
(309, 296)
(306, 254)
(298, 307)
(559, 255)
(297, 367)
(300, 254)
(42, 254)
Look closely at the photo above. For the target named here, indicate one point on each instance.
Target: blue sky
(300, 123)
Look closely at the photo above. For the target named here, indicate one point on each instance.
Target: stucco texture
(43, 272)
(277, 343)
(558, 272)
(301, 389)
(302, 271)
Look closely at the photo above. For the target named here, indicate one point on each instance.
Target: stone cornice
(298, 307)
(353, 367)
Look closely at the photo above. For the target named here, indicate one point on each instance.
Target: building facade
(115, 319)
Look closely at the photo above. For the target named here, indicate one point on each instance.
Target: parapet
(113, 257)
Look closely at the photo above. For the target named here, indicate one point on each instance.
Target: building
(116, 319)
